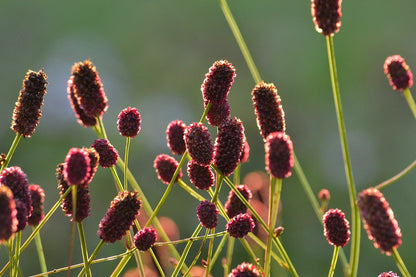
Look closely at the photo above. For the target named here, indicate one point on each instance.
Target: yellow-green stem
(191, 192)
(410, 101)
(12, 149)
(229, 255)
(400, 264)
(93, 255)
(198, 254)
(39, 249)
(84, 249)
(18, 240)
(333, 261)
(218, 251)
(211, 246)
(397, 176)
(126, 158)
(121, 265)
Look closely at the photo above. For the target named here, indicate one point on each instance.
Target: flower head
(218, 81)
(326, 16)
(279, 155)
(174, 136)
(94, 158)
(27, 112)
(145, 238)
(82, 118)
(165, 167)
(218, 112)
(201, 176)
(207, 214)
(245, 270)
(336, 227)
(8, 214)
(108, 154)
(240, 225)
(398, 72)
(128, 122)
(199, 144)
(77, 167)
(388, 274)
(22, 215)
(38, 197)
(234, 206)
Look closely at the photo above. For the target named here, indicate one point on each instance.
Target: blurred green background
(153, 55)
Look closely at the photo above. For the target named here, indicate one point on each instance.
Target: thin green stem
(356, 224)
(39, 249)
(410, 101)
(174, 242)
(156, 261)
(119, 186)
(220, 177)
(18, 240)
(121, 265)
(218, 251)
(84, 249)
(12, 149)
(236, 174)
(251, 254)
(101, 127)
(229, 255)
(397, 176)
(400, 264)
(126, 158)
(211, 246)
(198, 254)
(262, 245)
(10, 246)
(333, 261)
(192, 192)
(93, 255)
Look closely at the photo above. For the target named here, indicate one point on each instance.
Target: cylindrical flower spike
(88, 89)
(218, 112)
(8, 214)
(240, 225)
(77, 167)
(174, 136)
(199, 144)
(27, 112)
(82, 118)
(229, 145)
(207, 214)
(165, 167)
(245, 270)
(234, 206)
(326, 15)
(388, 274)
(38, 197)
(22, 214)
(245, 153)
(94, 158)
(145, 238)
(336, 228)
(128, 122)
(268, 109)
(218, 81)
(279, 155)
(379, 221)
(398, 72)
(83, 197)
(201, 176)
(108, 154)
(119, 216)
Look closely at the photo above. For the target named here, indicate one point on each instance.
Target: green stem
(211, 246)
(156, 261)
(410, 101)
(126, 158)
(400, 264)
(119, 186)
(173, 242)
(220, 177)
(192, 192)
(84, 248)
(198, 254)
(12, 149)
(262, 245)
(18, 240)
(93, 255)
(355, 240)
(333, 261)
(236, 174)
(121, 265)
(10, 246)
(41, 255)
(218, 251)
(251, 254)
(397, 176)
(229, 255)
(101, 127)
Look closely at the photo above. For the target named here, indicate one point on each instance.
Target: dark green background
(153, 55)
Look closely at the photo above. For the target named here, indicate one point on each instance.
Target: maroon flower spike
(336, 228)
(94, 158)
(108, 154)
(145, 238)
(119, 216)
(245, 270)
(218, 112)
(82, 118)
(398, 72)
(229, 145)
(22, 215)
(128, 122)
(174, 136)
(240, 225)
(8, 214)
(27, 112)
(234, 206)
(279, 155)
(38, 197)
(77, 167)
(199, 144)
(14, 178)
(326, 16)
(379, 221)
(218, 81)
(88, 89)
(268, 109)
(83, 197)
(245, 153)
(201, 176)
(388, 274)
(165, 167)
(207, 214)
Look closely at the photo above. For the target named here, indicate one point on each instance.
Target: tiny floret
(398, 72)
(240, 225)
(174, 136)
(77, 166)
(336, 228)
(166, 166)
(279, 155)
(218, 81)
(198, 141)
(245, 270)
(207, 214)
(108, 154)
(145, 238)
(326, 15)
(128, 123)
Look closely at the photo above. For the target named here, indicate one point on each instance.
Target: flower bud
(201, 176)
(398, 72)
(145, 238)
(234, 206)
(128, 123)
(388, 274)
(207, 214)
(77, 167)
(218, 112)
(199, 144)
(108, 154)
(279, 155)
(165, 167)
(336, 228)
(218, 81)
(174, 136)
(326, 16)
(8, 214)
(38, 197)
(245, 270)
(240, 225)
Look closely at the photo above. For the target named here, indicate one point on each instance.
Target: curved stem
(397, 176)
(333, 261)
(12, 149)
(410, 101)
(400, 264)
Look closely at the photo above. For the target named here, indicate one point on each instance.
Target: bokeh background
(153, 55)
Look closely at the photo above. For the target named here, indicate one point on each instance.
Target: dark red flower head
(83, 197)
(88, 89)
(38, 197)
(94, 158)
(240, 225)
(234, 206)
(245, 270)
(165, 167)
(229, 145)
(336, 228)
(8, 214)
(218, 81)
(279, 155)
(145, 238)
(398, 72)
(27, 111)
(245, 153)
(108, 154)
(174, 136)
(268, 109)
(388, 274)
(218, 112)
(199, 144)
(128, 122)
(14, 178)
(379, 221)
(207, 214)
(77, 167)
(22, 214)
(82, 118)
(201, 176)
(119, 216)
(326, 15)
